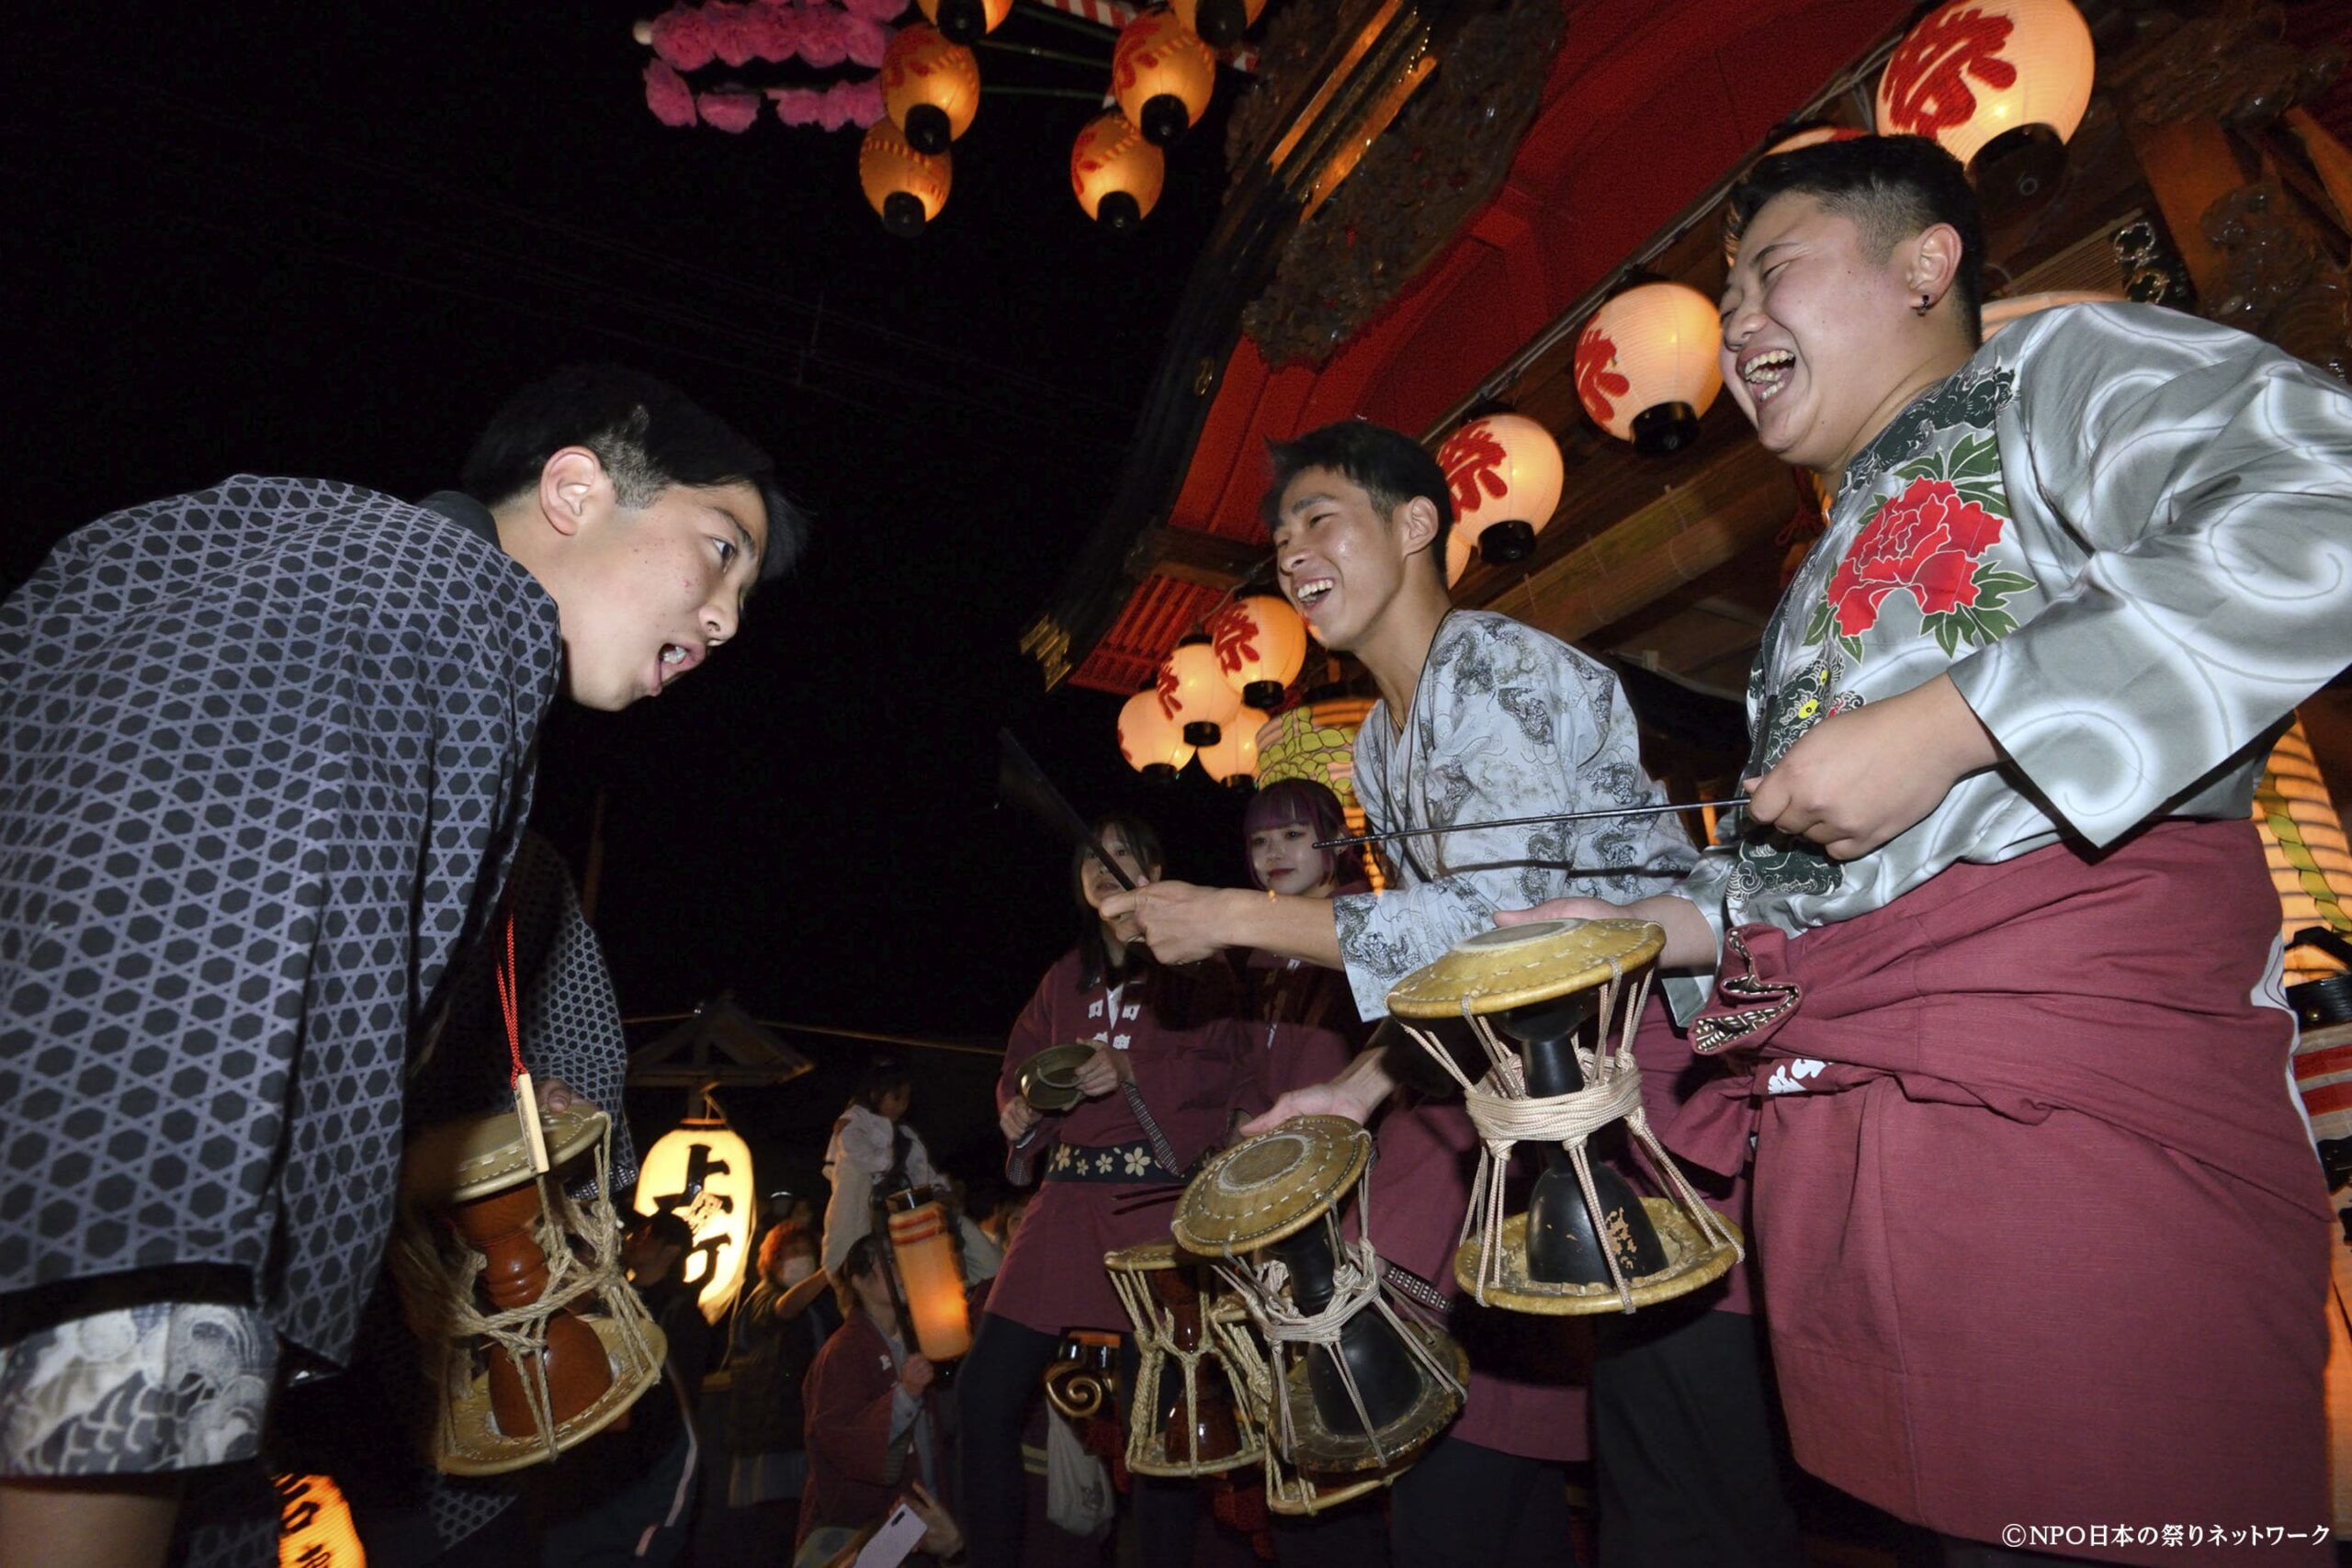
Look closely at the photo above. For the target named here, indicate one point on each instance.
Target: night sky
(328, 240)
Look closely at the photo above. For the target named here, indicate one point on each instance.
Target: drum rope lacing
(1156, 1342)
(1505, 1115)
(1356, 1284)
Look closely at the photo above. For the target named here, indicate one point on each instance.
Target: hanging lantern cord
(1044, 13)
(1078, 94)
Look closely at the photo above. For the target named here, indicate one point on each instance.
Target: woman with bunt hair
(1170, 1063)
(873, 1153)
(1306, 1025)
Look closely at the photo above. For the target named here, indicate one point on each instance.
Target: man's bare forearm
(1303, 929)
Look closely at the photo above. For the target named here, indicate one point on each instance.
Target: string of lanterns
(1212, 696)
(1163, 77)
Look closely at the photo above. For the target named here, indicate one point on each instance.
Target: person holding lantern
(873, 1153)
(2045, 1238)
(1170, 1062)
(1481, 717)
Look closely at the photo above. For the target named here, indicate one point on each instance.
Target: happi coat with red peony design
(2118, 529)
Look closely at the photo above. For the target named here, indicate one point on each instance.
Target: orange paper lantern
(1220, 23)
(931, 88)
(1504, 475)
(961, 21)
(1261, 646)
(1115, 174)
(907, 188)
(932, 1282)
(2000, 84)
(1234, 758)
(1149, 737)
(1649, 364)
(1162, 75)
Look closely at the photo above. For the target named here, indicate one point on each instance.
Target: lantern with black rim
(1649, 364)
(1162, 75)
(1261, 645)
(2000, 84)
(1220, 23)
(907, 188)
(1193, 684)
(1504, 472)
(1150, 739)
(1115, 174)
(963, 20)
(931, 88)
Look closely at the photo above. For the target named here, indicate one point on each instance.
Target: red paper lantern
(931, 88)
(1504, 475)
(1649, 364)
(1162, 75)
(1115, 174)
(2000, 84)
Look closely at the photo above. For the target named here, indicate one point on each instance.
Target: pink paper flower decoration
(866, 40)
(864, 98)
(797, 106)
(732, 110)
(667, 94)
(734, 37)
(874, 10)
(682, 38)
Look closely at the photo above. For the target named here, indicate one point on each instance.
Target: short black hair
(669, 1230)
(648, 436)
(884, 1076)
(1390, 465)
(1892, 187)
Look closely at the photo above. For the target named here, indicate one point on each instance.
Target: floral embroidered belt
(1125, 1164)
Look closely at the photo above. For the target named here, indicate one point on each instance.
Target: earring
(1924, 306)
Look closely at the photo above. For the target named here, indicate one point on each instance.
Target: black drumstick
(1025, 783)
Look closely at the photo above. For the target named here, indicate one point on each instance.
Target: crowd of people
(2038, 1233)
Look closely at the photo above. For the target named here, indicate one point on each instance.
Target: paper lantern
(1162, 75)
(1504, 475)
(315, 1528)
(907, 188)
(932, 1281)
(1459, 549)
(1261, 646)
(1150, 738)
(961, 21)
(1193, 687)
(1649, 364)
(1234, 758)
(2311, 862)
(1220, 23)
(1115, 174)
(931, 88)
(701, 1172)
(2000, 84)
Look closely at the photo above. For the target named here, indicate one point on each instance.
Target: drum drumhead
(1512, 966)
(1264, 1190)
(1049, 1079)
(460, 1161)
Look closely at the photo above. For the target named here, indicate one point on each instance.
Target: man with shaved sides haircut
(2043, 1240)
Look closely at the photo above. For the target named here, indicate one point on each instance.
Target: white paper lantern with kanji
(1149, 737)
(1504, 473)
(701, 1171)
(1649, 364)
(1261, 645)
(2000, 84)
(1234, 758)
(1193, 681)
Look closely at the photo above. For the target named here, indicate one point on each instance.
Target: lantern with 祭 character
(1647, 365)
(1150, 739)
(1504, 475)
(1195, 687)
(1261, 645)
(907, 188)
(2000, 84)
(701, 1172)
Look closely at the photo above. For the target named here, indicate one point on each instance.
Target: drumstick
(1349, 844)
(1022, 781)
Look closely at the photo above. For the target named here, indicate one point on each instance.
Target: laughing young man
(265, 754)
(2043, 1240)
(1480, 717)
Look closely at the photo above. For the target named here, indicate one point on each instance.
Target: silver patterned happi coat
(2127, 535)
(264, 754)
(1506, 721)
